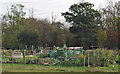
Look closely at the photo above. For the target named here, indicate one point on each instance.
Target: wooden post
(88, 59)
(30, 61)
(36, 61)
(94, 60)
(98, 58)
(32, 47)
(66, 55)
(24, 56)
(48, 60)
(84, 60)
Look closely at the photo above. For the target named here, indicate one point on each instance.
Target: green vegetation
(43, 68)
(88, 28)
(83, 18)
(102, 58)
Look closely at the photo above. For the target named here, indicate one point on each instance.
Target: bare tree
(31, 13)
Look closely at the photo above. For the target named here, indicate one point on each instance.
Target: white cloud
(44, 8)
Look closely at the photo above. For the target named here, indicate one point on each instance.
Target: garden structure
(66, 56)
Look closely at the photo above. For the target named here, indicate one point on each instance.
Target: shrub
(59, 53)
(44, 55)
(7, 53)
(102, 57)
(117, 59)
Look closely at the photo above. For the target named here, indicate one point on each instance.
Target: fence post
(36, 61)
(88, 59)
(30, 61)
(94, 60)
(84, 60)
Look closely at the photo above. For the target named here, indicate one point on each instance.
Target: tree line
(88, 27)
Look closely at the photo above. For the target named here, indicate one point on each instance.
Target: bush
(19, 60)
(102, 57)
(105, 57)
(117, 59)
(70, 62)
(67, 63)
(59, 53)
(44, 55)
(7, 53)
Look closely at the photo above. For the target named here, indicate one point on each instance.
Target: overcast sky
(45, 8)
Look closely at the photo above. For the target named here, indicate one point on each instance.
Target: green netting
(51, 53)
(70, 52)
(25, 48)
(55, 51)
(77, 52)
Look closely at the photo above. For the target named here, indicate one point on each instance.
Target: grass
(43, 68)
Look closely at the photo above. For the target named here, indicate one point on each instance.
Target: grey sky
(44, 8)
